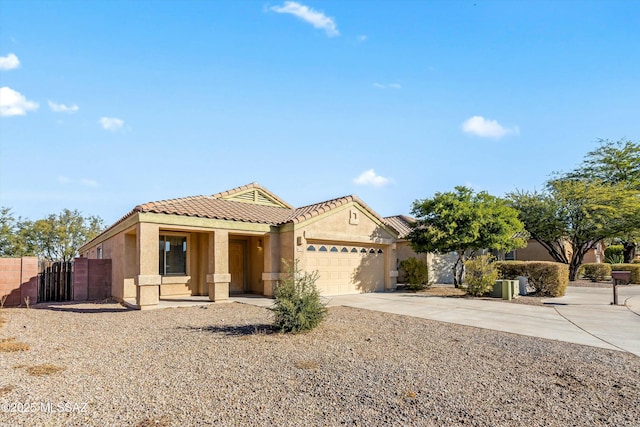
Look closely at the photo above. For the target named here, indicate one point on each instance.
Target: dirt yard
(99, 364)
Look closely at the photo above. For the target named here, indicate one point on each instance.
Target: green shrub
(633, 268)
(510, 270)
(547, 278)
(480, 273)
(595, 271)
(614, 254)
(297, 304)
(415, 273)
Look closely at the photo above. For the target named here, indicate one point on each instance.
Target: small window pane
(344, 250)
(363, 251)
(323, 249)
(173, 255)
(311, 248)
(372, 251)
(380, 251)
(353, 250)
(334, 249)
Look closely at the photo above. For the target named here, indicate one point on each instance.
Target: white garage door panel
(347, 272)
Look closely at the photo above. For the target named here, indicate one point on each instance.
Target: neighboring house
(440, 266)
(534, 251)
(237, 242)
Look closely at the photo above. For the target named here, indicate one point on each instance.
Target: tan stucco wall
(348, 224)
(134, 251)
(440, 266)
(534, 251)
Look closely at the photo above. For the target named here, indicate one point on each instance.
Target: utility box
(506, 289)
(523, 283)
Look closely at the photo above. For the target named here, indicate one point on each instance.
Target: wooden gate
(55, 281)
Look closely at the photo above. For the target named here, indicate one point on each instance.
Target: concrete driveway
(584, 316)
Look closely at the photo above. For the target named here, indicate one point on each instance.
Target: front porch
(202, 301)
(177, 264)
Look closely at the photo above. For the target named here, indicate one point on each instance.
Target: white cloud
(362, 38)
(84, 181)
(13, 103)
(387, 86)
(9, 62)
(313, 17)
(111, 123)
(369, 177)
(479, 126)
(88, 182)
(61, 108)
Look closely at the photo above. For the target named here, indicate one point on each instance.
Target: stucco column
(391, 272)
(271, 272)
(148, 280)
(218, 279)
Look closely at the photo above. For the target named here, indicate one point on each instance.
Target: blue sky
(109, 104)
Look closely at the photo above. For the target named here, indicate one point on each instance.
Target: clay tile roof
(210, 207)
(307, 212)
(217, 207)
(401, 223)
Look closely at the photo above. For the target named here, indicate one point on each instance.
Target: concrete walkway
(584, 316)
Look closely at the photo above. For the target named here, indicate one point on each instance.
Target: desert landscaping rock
(224, 366)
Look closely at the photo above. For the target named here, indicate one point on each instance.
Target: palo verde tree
(614, 163)
(56, 237)
(465, 222)
(576, 213)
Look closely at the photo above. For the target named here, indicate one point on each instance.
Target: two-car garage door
(346, 269)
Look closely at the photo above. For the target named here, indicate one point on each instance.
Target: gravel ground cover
(99, 364)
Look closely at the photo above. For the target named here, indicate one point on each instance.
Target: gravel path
(222, 366)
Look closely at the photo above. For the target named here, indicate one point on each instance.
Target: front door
(236, 266)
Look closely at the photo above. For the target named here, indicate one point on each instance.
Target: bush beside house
(596, 272)
(415, 273)
(297, 306)
(614, 254)
(547, 278)
(633, 268)
(480, 275)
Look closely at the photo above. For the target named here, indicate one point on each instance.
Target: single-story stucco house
(534, 251)
(238, 241)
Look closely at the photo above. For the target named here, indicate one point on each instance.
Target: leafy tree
(612, 163)
(577, 213)
(56, 237)
(615, 163)
(465, 222)
(8, 234)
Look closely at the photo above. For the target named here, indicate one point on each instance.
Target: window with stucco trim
(322, 249)
(311, 248)
(334, 249)
(344, 249)
(173, 255)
